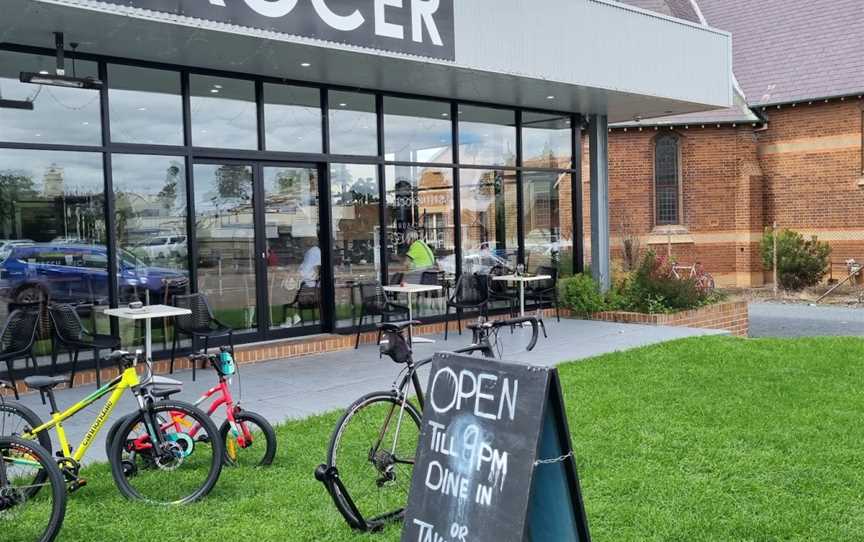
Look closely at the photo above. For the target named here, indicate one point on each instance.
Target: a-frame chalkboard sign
(494, 461)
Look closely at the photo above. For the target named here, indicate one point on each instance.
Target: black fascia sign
(494, 461)
(417, 27)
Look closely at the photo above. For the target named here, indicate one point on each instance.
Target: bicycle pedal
(76, 485)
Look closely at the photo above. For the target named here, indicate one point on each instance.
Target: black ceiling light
(60, 79)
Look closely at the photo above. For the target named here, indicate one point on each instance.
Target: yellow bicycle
(152, 457)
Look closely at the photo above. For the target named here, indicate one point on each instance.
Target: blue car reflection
(72, 273)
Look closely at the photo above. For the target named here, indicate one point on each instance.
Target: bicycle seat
(44, 383)
(397, 326)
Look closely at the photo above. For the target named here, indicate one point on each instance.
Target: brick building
(791, 150)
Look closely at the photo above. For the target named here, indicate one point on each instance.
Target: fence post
(774, 237)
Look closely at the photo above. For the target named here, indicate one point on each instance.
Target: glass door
(258, 253)
(291, 234)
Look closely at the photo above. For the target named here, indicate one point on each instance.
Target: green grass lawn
(702, 439)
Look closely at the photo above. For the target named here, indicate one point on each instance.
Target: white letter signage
(416, 27)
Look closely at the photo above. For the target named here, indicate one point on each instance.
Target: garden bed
(731, 316)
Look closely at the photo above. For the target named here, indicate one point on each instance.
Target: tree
(168, 195)
(14, 186)
(800, 262)
(233, 182)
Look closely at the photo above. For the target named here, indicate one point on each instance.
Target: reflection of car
(546, 242)
(75, 273)
(6, 243)
(163, 247)
(479, 261)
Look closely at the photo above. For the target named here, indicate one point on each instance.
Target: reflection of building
(52, 182)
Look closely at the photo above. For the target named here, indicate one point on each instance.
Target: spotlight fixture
(305, 64)
(60, 79)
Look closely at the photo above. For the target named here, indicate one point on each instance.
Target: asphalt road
(799, 320)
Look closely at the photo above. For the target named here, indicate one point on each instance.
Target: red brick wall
(804, 171)
(733, 317)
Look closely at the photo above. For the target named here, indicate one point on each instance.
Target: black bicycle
(32, 492)
(371, 456)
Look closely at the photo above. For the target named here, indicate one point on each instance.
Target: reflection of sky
(82, 171)
(153, 116)
(538, 142)
(147, 175)
(409, 139)
(486, 144)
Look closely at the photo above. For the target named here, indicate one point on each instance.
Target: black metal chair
(545, 291)
(374, 302)
(501, 291)
(71, 335)
(307, 298)
(17, 340)
(201, 324)
(472, 293)
(433, 278)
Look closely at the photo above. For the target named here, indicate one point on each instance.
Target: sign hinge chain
(559, 459)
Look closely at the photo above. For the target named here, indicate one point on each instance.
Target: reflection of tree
(232, 182)
(364, 190)
(168, 195)
(13, 188)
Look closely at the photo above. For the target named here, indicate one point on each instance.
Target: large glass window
(356, 235)
(489, 219)
(225, 233)
(52, 234)
(420, 242)
(150, 226)
(546, 141)
(417, 131)
(145, 105)
(353, 123)
(548, 218)
(292, 118)
(293, 251)
(487, 136)
(59, 115)
(224, 113)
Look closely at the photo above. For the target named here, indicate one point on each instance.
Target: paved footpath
(799, 320)
(301, 387)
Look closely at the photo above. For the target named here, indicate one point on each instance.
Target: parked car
(163, 247)
(5, 243)
(77, 273)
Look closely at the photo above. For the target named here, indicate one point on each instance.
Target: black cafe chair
(201, 324)
(470, 293)
(17, 340)
(545, 291)
(374, 302)
(70, 334)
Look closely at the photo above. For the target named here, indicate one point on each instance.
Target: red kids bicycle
(249, 438)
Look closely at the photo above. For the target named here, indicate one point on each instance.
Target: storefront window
(420, 244)
(52, 234)
(489, 219)
(225, 233)
(417, 131)
(224, 113)
(293, 247)
(60, 115)
(548, 218)
(356, 236)
(353, 123)
(546, 141)
(292, 118)
(145, 105)
(487, 136)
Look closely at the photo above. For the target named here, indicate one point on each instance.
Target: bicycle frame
(128, 379)
(224, 398)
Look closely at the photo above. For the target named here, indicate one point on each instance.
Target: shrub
(654, 288)
(581, 294)
(800, 262)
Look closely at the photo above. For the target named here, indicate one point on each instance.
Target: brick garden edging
(732, 316)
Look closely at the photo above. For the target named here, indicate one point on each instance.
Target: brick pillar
(749, 211)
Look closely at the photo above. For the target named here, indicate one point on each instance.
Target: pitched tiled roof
(785, 50)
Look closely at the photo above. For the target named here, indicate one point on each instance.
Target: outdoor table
(147, 313)
(522, 279)
(409, 290)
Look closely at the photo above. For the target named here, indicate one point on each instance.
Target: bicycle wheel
(373, 448)
(176, 469)
(112, 432)
(24, 518)
(16, 420)
(252, 442)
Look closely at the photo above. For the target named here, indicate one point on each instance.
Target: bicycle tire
(242, 417)
(30, 421)
(124, 469)
(54, 478)
(112, 432)
(373, 517)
